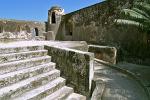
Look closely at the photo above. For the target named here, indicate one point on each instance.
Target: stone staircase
(27, 73)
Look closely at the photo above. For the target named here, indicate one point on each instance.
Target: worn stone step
(21, 64)
(16, 76)
(75, 96)
(43, 91)
(27, 85)
(61, 94)
(21, 55)
(15, 49)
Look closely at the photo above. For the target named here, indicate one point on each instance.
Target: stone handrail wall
(76, 66)
(105, 53)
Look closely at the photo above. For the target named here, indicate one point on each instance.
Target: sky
(37, 10)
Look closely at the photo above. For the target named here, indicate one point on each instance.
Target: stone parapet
(104, 53)
(76, 66)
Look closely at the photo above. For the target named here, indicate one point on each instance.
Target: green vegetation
(138, 15)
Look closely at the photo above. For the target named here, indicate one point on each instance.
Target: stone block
(104, 53)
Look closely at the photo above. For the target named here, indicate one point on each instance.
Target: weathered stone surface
(16, 26)
(28, 84)
(16, 76)
(50, 35)
(75, 96)
(82, 45)
(45, 90)
(21, 56)
(28, 73)
(24, 46)
(105, 53)
(39, 38)
(141, 72)
(61, 94)
(20, 36)
(98, 91)
(16, 48)
(10, 37)
(76, 66)
(118, 84)
(21, 64)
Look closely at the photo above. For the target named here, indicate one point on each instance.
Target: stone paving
(140, 71)
(118, 86)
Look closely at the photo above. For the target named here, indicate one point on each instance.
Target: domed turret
(54, 19)
(54, 15)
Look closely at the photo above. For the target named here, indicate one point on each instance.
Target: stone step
(15, 49)
(43, 91)
(27, 85)
(75, 96)
(21, 55)
(16, 76)
(21, 64)
(61, 94)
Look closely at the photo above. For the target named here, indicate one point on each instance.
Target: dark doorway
(1, 29)
(36, 31)
(53, 18)
(70, 33)
(69, 29)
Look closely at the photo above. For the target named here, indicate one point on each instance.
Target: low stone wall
(18, 35)
(11, 25)
(76, 67)
(104, 53)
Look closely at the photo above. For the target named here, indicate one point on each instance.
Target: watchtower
(54, 18)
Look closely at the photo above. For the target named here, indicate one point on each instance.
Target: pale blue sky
(37, 9)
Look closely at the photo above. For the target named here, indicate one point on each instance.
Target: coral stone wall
(95, 24)
(20, 26)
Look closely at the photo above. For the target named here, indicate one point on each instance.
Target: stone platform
(78, 45)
